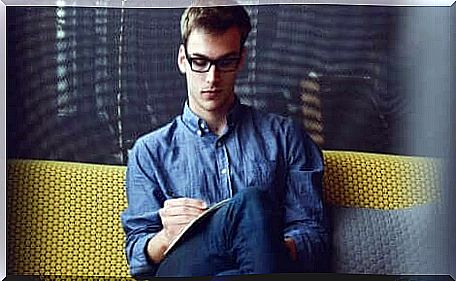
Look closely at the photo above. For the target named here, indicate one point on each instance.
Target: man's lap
(210, 247)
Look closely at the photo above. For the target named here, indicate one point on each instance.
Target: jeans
(242, 237)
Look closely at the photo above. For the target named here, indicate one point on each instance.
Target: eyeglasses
(203, 64)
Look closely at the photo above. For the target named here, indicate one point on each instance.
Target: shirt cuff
(312, 248)
(304, 251)
(140, 264)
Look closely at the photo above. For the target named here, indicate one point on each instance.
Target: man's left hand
(291, 247)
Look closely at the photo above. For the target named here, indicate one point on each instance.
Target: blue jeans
(242, 237)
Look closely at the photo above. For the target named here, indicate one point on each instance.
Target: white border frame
(185, 3)
(3, 139)
(131, 4)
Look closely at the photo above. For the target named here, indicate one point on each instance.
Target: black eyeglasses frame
(211, 63)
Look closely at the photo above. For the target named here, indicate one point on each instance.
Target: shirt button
(199, 133)
(224, 171)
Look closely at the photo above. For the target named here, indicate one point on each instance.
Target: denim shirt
(257, 149)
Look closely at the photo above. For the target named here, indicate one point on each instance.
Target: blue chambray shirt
(257, 149)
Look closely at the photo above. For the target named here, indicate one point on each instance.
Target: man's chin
(212, 107)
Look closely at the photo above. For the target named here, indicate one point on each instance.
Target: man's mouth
(215, 91)
(211, 93)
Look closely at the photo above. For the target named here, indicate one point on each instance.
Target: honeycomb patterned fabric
(399, 241)
(64, 218)
(380, 181)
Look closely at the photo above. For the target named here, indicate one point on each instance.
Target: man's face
(211, 92)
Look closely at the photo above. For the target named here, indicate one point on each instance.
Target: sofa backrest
(380, 181)
(384, 213)
(64, 217)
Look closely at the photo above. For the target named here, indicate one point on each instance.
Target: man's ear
(181, 60)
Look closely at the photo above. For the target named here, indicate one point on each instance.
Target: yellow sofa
(63, 217)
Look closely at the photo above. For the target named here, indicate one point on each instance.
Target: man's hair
(216, 20)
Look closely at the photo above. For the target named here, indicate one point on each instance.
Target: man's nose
(213, 74)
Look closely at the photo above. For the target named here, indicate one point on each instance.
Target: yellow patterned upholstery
(63, 218)
(380, 181)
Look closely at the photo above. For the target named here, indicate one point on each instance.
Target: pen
(172, 195)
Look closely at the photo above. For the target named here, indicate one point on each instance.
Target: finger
(182, 210)
(179, 211)
(162, 213)
(189, 202)
(179, 220)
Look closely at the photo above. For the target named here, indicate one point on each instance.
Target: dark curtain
(84, 83)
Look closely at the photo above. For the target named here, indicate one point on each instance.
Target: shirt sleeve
(306, 220)
(140, 220)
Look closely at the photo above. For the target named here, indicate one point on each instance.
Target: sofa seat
(63, 218)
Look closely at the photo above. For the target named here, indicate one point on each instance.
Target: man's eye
(199, 62)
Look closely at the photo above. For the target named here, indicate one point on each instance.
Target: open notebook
(193, 222)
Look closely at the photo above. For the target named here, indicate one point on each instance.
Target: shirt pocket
(182, 182)
(261, 174)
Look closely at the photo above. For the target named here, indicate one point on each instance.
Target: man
(218, 149)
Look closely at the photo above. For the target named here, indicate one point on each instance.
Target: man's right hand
(175, 215)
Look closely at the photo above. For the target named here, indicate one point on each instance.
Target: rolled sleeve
(306, 220)
(138, 261)
(140, 220)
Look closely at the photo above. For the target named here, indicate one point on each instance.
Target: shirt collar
(199, 126)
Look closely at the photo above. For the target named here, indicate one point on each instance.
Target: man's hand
(175, 215)
(291, 247)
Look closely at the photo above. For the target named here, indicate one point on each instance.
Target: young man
(218, 149)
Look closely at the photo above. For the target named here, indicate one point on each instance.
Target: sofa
(63, 217)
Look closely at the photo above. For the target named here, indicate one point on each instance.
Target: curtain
(85, 82)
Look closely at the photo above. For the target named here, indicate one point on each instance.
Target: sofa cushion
(375, 241)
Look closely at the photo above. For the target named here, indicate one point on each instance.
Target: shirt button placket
(223, 161)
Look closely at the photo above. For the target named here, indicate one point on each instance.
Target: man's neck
(217, 120)
(216, 124)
